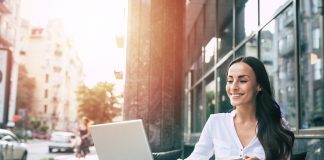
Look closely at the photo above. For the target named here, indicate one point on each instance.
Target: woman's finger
(250, 158)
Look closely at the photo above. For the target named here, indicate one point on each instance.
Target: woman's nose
(234, 85)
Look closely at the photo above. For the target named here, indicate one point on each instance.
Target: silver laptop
(125, 140)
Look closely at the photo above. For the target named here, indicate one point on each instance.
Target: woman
(254, 130)
(83, 148)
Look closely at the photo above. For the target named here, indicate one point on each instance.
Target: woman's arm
(204, 147)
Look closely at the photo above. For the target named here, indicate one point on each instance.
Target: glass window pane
(311, 66)
(224, 32)
(268, 9)
(277, 53)
(197, 110)
(202, 109)
(223, 102)
(248, 49)
(246, 19)
(210, 92)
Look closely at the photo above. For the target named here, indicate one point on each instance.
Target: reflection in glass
(223, 102)
(210, 52)
(311, 66)
(268, 9)
(246, 19)
(248, 49)
(277, 53)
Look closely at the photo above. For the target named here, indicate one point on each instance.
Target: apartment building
(50, 58)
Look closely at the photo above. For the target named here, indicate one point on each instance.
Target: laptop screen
(125, 140)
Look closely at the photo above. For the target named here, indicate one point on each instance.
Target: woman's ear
(259, 88)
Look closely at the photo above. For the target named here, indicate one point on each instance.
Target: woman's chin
(234, 103)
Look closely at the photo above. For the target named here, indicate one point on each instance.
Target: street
(38, 150)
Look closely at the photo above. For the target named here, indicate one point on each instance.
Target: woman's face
(241, 86)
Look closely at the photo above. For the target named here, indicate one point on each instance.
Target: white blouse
(219, 137)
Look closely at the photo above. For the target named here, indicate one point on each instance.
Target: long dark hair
(277, 141)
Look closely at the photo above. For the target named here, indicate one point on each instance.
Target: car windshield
(2, 135)
(7, 138)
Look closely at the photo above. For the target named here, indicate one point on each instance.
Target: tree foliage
(98, 103)
(25, 89)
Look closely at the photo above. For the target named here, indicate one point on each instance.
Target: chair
(299, 156)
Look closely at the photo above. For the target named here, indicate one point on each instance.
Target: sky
(93, 26)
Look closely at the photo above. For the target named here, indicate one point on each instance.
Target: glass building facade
(286, 35)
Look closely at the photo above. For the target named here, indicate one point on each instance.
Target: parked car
(62, 141)
(11, 147)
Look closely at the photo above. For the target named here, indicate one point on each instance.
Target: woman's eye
(229, 81)
(243, 81)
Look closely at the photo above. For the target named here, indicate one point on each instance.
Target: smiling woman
(93, 26)
(254, 130)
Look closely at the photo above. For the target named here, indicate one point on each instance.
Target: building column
(153, 70)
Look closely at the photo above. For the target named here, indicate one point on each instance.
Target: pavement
(40, 151)
(91, 156)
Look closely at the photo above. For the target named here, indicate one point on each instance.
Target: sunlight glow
(93, 26)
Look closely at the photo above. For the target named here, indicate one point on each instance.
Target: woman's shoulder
(218, 121)
(217, 116)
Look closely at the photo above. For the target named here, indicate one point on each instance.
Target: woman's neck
(245, 114)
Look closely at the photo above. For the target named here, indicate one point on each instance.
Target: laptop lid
(125, 140)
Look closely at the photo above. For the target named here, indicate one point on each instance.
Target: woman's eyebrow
(240, 76)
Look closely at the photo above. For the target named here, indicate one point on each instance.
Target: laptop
(125, 140)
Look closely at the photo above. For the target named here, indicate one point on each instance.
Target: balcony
(119, 75)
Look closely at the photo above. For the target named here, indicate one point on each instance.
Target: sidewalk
(91, 156)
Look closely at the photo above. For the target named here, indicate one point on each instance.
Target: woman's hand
(250, 158)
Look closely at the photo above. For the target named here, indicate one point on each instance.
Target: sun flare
(92, 25)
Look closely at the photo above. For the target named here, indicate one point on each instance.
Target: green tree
(35, 124)
(98, 103)
(25, 89)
